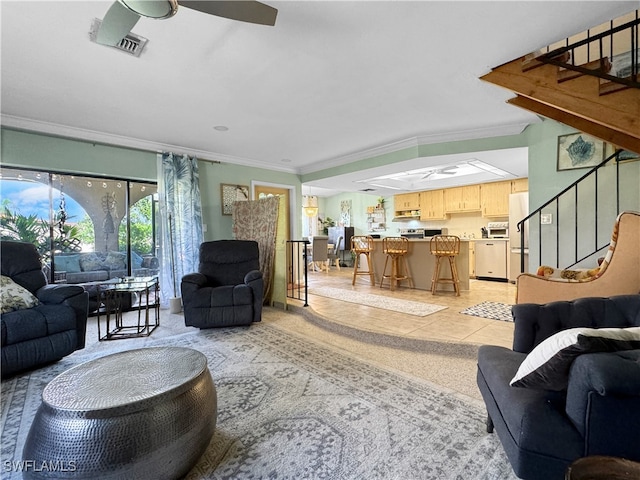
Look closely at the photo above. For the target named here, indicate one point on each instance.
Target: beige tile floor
(445, 325)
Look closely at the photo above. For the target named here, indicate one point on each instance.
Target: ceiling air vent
(368, 190)
(132, 44)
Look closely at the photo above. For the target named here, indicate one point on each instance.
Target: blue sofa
(99, 266)
(598, 413)
(48, 331)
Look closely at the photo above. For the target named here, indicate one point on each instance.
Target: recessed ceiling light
(221, 128)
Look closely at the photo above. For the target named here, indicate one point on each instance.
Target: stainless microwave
(498, 229)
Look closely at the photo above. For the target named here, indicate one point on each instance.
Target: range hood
(405, 218)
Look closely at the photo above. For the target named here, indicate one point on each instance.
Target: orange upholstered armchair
(619, 273)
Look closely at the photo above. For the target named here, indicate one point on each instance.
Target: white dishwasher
(491, 259)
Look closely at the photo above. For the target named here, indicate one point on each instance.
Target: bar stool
(396, 249)
(445, 246)
(362, 245)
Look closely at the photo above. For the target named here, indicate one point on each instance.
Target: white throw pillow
(547, 366)
(14, 297)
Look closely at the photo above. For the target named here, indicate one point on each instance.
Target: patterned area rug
(403, 306)
(292, 408)
(493, 310)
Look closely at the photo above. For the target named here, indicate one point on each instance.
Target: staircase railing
(612, 55)
(580, 210)
(297, 270)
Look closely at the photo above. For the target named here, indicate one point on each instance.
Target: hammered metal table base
(148, 413)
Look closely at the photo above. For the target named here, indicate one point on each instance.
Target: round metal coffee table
(148, 413)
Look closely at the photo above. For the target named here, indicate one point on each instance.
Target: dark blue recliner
(228, 288)
(49, 331)
(544, 431)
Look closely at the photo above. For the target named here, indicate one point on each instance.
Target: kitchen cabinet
(495, 199)
(405, 204)
(520, 185)
(462, 199)
(407, 201)
(472, 259)
(491, 259)
(432, 205)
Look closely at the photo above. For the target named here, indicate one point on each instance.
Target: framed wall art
(232, 193)
(579, 150)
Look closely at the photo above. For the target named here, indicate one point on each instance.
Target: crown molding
(361, 155)
(73, 133)
(54, 129)
(474, 134)
(487, 132)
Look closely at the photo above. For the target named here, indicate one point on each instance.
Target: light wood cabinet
(407, 201)
(453, 200)
(492, 199)
(495, 199)
(520, 185)
(404, 204)
(432, 205)
(462, 199)
(472, 259)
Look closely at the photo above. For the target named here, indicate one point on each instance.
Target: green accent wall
(545, 182)
(330, 207)
(213, 174)
(37, 151)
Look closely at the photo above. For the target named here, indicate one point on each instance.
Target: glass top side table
(113, 292)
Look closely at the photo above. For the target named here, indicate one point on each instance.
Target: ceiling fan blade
(243, 10)
(117, 22)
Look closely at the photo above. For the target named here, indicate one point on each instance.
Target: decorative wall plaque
(579, 150)
(232, 193)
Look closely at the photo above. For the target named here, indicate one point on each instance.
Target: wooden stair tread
(532, 60)
(603, 65)
(607, 86)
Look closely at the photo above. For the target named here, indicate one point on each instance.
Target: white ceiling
(330, 83)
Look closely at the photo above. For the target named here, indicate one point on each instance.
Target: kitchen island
(421, 265)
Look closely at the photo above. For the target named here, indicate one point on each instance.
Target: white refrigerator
(518, 209)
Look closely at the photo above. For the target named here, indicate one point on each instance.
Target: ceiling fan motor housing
(152, 8)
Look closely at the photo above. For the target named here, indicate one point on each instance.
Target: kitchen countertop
(426, 239)
(421, 263)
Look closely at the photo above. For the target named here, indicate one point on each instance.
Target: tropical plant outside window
(86, 228)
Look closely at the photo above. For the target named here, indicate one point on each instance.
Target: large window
(85, 228)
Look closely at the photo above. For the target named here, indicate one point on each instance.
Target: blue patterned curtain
(181, 220)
